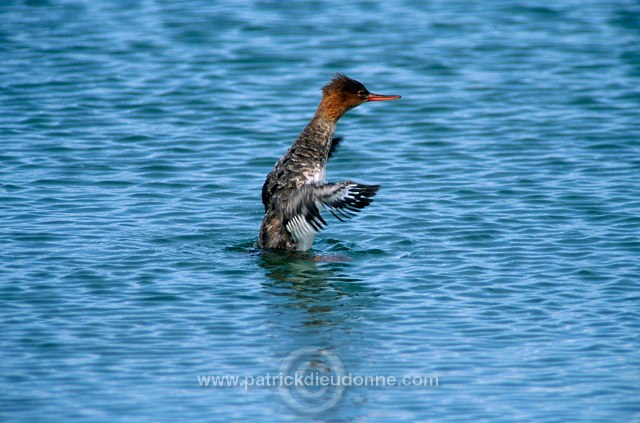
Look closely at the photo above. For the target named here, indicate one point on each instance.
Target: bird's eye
(362, 93)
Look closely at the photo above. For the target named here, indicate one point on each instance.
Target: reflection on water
(315, 303)
(323, 291)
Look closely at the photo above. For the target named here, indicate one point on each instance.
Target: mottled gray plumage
(296, 190)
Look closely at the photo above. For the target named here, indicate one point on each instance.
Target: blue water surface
(501, 257)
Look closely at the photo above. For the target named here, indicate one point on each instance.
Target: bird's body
(296, 189)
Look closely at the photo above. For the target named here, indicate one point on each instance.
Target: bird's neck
(331, 107)
(318, 134)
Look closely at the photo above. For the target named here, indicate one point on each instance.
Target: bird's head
(342, 94)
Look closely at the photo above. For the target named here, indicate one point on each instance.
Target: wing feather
(300, 208)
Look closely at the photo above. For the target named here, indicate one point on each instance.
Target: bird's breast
(316, 175)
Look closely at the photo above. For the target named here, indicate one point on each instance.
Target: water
(500, 256)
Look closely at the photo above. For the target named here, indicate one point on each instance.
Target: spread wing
(334, 145)
(300, 208)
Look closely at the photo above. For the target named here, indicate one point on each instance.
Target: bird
(296, 189)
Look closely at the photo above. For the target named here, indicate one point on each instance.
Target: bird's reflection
(315, 302)
(305, 285)
(307, 291)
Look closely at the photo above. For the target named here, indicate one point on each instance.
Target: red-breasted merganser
(296, 189)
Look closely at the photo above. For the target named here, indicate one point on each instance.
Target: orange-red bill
(380, 97)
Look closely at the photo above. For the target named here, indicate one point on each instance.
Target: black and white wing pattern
(300, 210)
(345, 199)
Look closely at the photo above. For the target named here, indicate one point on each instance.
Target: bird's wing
(334, 145)
(300, 208)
